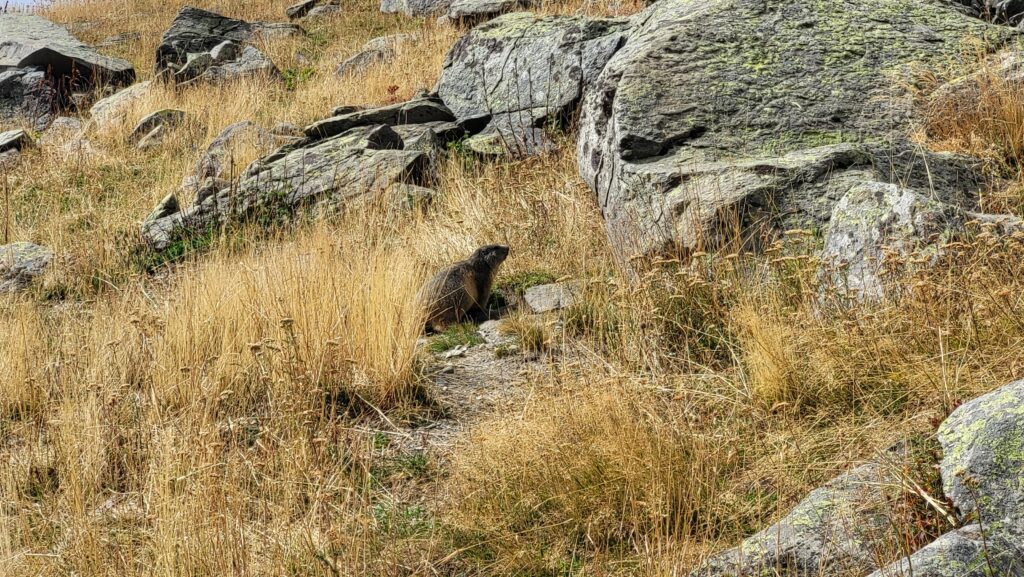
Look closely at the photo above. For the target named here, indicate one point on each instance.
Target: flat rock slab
(14, 140)
(20, 262)
(724, 80)
(28, 41)
(416, 111)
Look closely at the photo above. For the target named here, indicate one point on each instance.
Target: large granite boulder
(521, 71)
(836, 530)
(730, 85)
(42, 64)
(203, 45)
(20, 262)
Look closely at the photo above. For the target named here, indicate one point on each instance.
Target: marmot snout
(461, 291)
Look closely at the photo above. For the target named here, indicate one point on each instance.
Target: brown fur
(463, 289)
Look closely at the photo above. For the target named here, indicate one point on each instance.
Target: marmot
(461, 291)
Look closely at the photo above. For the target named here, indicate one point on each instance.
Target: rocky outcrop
(376, 51)
(726, 88)
(42, 66)
(520, 71)
(835, 530)
(358, 154)
(20, 262)
(204, 46)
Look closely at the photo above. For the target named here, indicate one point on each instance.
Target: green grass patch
(454, 336)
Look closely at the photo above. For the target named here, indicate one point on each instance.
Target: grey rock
(153, 139)
(430, 138)
(14, 140)
(511, 135)
(874, 219)
(521, 71)
(982, 474)
(114, 108)
(28, 93)
(20, 262)
(414, 7)
(9, 159)
(417, 111)
(835, 530)
(375, 51)
(300, 9)
(196, 31)
(251, 63)
(966, 552)
(195, 66)
(552, 297)
(983, 455)
(167, 117)
(478, 10)
(327, 172)
(216, 160)
(65, 125)
(323, 11)
(225, 51)
(687, 89)
(32, 41)
(523, 63)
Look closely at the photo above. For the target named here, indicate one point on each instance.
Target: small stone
(167, 117)
(225, 51)
(14, 140)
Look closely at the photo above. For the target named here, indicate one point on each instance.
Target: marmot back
(461, 291)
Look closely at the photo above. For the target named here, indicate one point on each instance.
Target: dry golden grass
(242, 411)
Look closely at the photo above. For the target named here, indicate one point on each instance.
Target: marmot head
(491, 255)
